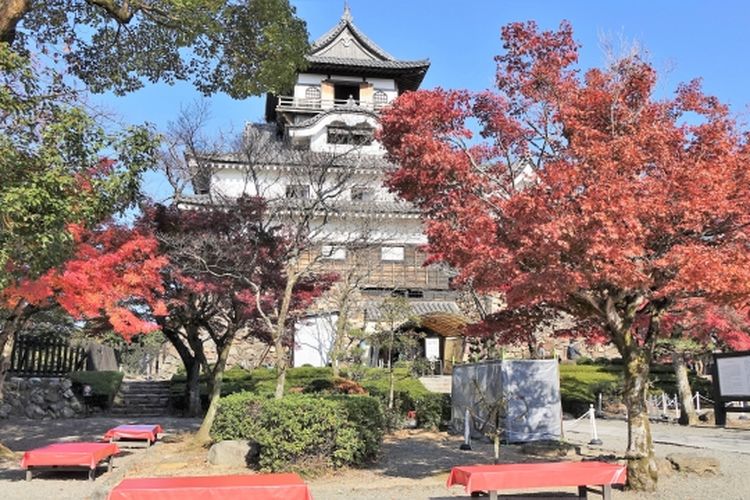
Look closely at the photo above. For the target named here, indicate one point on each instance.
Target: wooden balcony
(301, 104)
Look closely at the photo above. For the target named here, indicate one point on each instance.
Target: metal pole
(664, 403)
(594, 436)
(599, 404)
(697, 401)
(466, 445)
(676, 406)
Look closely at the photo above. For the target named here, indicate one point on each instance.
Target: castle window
(392, 254)
(332, 252)
(312, 95)
(342, 92)
(340, 133)
(379, 98)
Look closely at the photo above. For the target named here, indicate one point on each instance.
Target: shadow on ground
(424, 454)
(547, 495)
(21, 434)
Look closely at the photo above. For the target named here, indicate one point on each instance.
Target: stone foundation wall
(39, 398)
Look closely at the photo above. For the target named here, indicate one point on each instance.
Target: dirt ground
(412, 465)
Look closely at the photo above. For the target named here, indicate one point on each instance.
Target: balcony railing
(288, 103)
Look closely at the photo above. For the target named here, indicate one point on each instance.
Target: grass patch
(581, 384)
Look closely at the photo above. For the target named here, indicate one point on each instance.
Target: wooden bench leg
(493, 495)
(583, 492)
(110, 464)
(28, 474)
(92, 474)
(607, 492)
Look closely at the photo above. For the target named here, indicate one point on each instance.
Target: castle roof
(344, 49)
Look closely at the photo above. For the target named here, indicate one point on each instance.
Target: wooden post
(720, 411)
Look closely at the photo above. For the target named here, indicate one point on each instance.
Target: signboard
(731, 383)
(734, 375)
(432, 348)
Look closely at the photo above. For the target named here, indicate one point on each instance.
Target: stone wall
(40, 398)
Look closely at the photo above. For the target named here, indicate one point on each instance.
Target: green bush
(101, 383)
(301, 432)
(409, 394)
(104, 385)
(319, 385)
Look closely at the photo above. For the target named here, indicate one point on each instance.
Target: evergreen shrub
(302, 432)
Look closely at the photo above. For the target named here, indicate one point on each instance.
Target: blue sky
(684, 39)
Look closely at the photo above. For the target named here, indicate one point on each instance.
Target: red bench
(69, 456)
(139, 434)
(493, 478)
(245, 486)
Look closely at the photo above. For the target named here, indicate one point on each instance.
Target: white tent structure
(526, 394)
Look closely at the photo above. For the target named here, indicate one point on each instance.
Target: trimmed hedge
(301, 432)
(432, 409)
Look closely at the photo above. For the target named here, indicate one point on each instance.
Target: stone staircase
(437, 383)
(138, 398)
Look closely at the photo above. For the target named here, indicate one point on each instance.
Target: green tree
(240, 47)
(395, 312)
(54, 175)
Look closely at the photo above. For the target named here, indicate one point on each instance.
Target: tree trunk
(281, 367)
(687, 409)
(282, 361)
(391, 384)
(203, 435)
(11, 13)
(338, 341)
(9, 328)
(193, 389)
(642, 472)
(192, 369)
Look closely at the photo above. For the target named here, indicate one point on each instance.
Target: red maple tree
(583, 192)
(111, 271)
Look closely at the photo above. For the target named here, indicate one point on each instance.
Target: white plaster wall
(319, 137)
(304, 80)
(313, 340)
(233, 183)
(377, 230)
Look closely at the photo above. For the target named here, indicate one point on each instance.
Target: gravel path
(24, 434)
(413, 465)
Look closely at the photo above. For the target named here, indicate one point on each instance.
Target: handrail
(291, 102)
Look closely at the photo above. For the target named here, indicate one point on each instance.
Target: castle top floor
(346, 69)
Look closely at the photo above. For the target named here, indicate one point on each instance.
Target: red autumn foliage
(112, 270)
(582, 192)
(581, 183)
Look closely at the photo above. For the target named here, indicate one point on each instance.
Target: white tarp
(527, 392)
(313, 340)
(432, 348)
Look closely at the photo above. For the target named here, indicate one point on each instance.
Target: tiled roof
(419, 308)
(341, 207)
(347, 21)
(408, 74)
(369, 63)
(269, 150)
